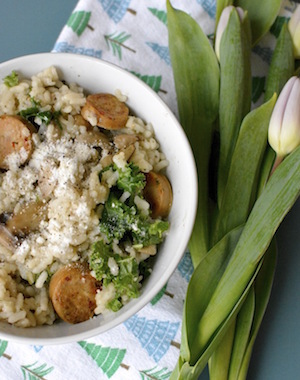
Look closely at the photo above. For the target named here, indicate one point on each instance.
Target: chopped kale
(131, 179)
(120, 220)
(126, 281)
(116, 218)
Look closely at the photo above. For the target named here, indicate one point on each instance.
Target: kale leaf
(126, 281)
(120, 220)
(131, 179)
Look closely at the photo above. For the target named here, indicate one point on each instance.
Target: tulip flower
(294, 28)
(223, 21)
(284, 127)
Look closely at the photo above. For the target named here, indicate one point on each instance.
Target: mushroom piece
(106, 111)
(46, 180)
(158, 192)
(7, 239)
(28, 218)
(80, 121)
(15, 137)
(128, 151)
(123, 140)
(106, 160)
(73, 291)
(95, 138)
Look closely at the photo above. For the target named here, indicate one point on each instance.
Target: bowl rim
(140, 302)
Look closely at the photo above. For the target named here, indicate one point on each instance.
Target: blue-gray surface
(32, 26)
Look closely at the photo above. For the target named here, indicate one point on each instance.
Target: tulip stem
(277, 162)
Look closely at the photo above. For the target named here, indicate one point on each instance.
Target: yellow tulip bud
(223, 21)
(294, 28)
(284, 127)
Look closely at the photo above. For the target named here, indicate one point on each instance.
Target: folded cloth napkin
(133, 35)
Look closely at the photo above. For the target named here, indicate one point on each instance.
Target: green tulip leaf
(193, 370)
(282, 65)
(219, 362)
(252, 141)
(235, 90)
(262, 15)
(203, 283)
(243, 327)
(262, 287)
(197, 89)
(276, 199)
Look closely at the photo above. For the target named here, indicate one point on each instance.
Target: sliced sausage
(158, 192)
(28, 218)
(72, 290)
(107, 111)
(15, 137)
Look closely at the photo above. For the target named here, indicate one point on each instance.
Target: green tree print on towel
(107, 358)
(78, 22)
(258, 86)
(33, 372)
(151, 80)
(160, 294)
(155, 374)
(161, 15)
(276, 27)
(3, 346)
(116, 42)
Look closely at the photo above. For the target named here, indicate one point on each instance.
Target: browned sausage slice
(109, 111)
(72, 291)
(15, 134)
(158, 193)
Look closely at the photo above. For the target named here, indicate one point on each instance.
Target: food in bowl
(84, 201)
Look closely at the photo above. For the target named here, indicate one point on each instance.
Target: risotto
(84, 201)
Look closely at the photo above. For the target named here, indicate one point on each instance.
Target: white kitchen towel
(133, 35)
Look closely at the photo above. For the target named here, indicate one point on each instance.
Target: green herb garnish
(45, 116)
(11, 80)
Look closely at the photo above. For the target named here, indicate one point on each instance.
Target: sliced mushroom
(28, 218)
(158, 192)
(73, 291)
(7, 239)
(95, 138)
(106, 111)
(124, 140)
(128, 151)
(46, 181)
(15, 137)
(80, 121)
(106, 160)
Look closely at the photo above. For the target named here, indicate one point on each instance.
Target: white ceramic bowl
(94, 76)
